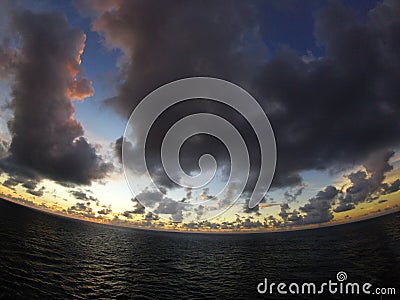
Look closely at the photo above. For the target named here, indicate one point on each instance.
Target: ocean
(43, 256)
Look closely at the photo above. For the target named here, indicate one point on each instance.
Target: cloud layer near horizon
(328, 113)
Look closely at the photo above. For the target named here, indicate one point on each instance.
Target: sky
(324, 72)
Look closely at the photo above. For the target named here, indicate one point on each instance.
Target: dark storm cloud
(170, 40)
(341, 107)
(9, 165)
(164, 41)
(327, 112)
(93, 7)
(8, 58)
(47, 76)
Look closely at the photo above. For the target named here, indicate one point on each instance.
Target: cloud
(139, 208)
(160, 205)
(205, 194)
(82, 209)
(8, 59)
(200, 210)
(273, 221)
(188, 38)
(79, 195)
(368, 185)
(248, 210)
(365, 186)
(151, 217)
(295, 217)
(284, 211)
(392, 188)
(118, 148)
(188, 195)
(20, 179)
(80, 89)
(291, 196)
(289, 217)
(327, 112)
(127, 214)
(10, 183)
(105, 211)
(45, 135)
(247, 223)
(168, 206)
(342, 107)
(37, 193)
(3, 148)
(30, 184)
(318, 210)
(344, 207)
(93, 7)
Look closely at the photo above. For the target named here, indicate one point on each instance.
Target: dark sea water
(48, 257)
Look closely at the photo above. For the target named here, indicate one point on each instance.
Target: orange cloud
(80, 87)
